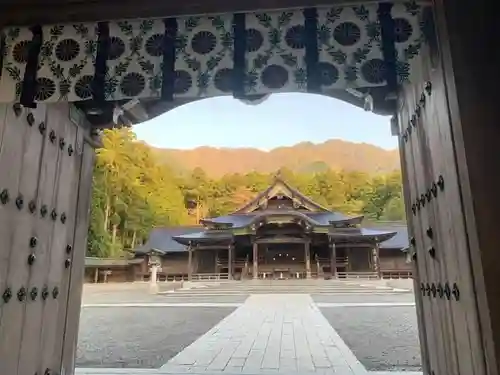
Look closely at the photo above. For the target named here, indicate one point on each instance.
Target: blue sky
(281, 120)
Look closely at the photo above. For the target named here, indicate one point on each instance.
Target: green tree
(134, 191)
(394, 210)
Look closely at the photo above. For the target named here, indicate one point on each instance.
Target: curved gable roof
(315, 213)
(279, 186)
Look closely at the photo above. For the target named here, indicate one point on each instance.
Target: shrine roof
(350, 234)
(280, 187)
(399, 241)
(162, 239)
(391, 235)
(176, 239)
(206, 237)
(361, 234)
(315, 218)
(303, 208)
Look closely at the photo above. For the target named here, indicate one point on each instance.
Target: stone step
(283, 286)
(293, 288)
(188, 294)
(274, 290)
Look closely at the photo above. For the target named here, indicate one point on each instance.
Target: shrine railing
(173, 278)
(338, 260)
(396, 274)
(209, 276)
(288, 275)
(357, 275)
(238, 262)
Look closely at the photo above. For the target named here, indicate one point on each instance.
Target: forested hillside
(135, 189)
(304, 157)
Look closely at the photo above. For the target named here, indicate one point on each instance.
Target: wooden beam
(358, 245)
(68, 11)
(210, 247)
(282, 241)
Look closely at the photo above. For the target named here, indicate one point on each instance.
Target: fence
(292, 275)
(396, 275)
(357, 275)
(209, 276)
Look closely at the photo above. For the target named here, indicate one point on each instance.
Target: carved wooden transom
(257, 53)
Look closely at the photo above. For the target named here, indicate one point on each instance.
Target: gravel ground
(363, 298)
(382, 338)
(139, 297)
(121, 293)
(141, 337)
(203, 299)
(141, 294)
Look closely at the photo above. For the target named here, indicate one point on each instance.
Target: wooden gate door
(451, 335)
(45, 179)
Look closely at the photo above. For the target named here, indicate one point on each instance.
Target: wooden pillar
(348, 266)
(307, 255)
(230, 261)
(196, 262)
(96, 275)
(246, 268)
(255, 268)
(376, 260)
(190, 263)
(333, 260)
(318, 272)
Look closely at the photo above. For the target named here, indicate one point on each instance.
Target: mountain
(302, 157)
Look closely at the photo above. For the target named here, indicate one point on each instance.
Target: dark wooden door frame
(28, 12)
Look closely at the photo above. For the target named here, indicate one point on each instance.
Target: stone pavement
(269, 334)
(279, 333)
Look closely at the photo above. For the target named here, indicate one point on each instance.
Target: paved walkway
(269, 334)
(266, 334)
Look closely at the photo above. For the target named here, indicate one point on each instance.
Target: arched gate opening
(419, 62)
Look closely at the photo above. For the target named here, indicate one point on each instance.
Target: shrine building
(280, 234)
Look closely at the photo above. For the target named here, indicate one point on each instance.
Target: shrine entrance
(427, 64)
(282, 261)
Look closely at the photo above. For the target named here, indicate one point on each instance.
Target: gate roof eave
(154, 108)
